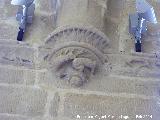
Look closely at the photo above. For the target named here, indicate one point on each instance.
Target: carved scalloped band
(75, 53)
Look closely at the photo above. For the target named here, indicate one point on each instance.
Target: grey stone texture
(108, 84)
(22, 101)
(54, 105)
(83, 12)
(15, 75)
(18, 55)
(6, 10)
(134, 66)
(8, 30)
(12, 117)
(44, 6)
(98, 106)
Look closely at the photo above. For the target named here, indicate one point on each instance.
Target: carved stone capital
(75, 53)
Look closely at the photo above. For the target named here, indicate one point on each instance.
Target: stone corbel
(76, 53)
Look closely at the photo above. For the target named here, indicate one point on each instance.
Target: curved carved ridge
(75, 53)
(89, 35)
(96, 52)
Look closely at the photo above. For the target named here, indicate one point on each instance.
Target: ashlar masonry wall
(83, 68)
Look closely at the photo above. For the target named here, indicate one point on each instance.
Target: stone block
(44, 6)
(15, 75)
(118, 84)
(35, 33)
(8, 31)
(54, 105)
(19, 55)
(154, 30)
(134, 66)
(115, 8)
(12, 117)
(7, 10)
(80, 12)
(107, 83)
(102, 3)
(117, 76)
(111, 29)
(85, 107)
(22, 101)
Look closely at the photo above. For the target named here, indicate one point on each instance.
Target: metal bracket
(137, 21)
(24, 15)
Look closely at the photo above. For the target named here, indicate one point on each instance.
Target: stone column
(75, 50)
(114, 16)
(81, 12)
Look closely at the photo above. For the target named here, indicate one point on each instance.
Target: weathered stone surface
(111, 29)
(117, 84)
(54, 107)
(44, 6)
(12, 117)
(22, 101)
(122, 74)
(134, 66)
(106, 83)
(17, 55)
(17, 75)
(47, 118)
(6, 10)
(129, 80)
(154, 30)
(85, 106)
(115, 8)
(35, 33)
(102, 3)
(87, 13)
(8, 31)
(2, 3)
